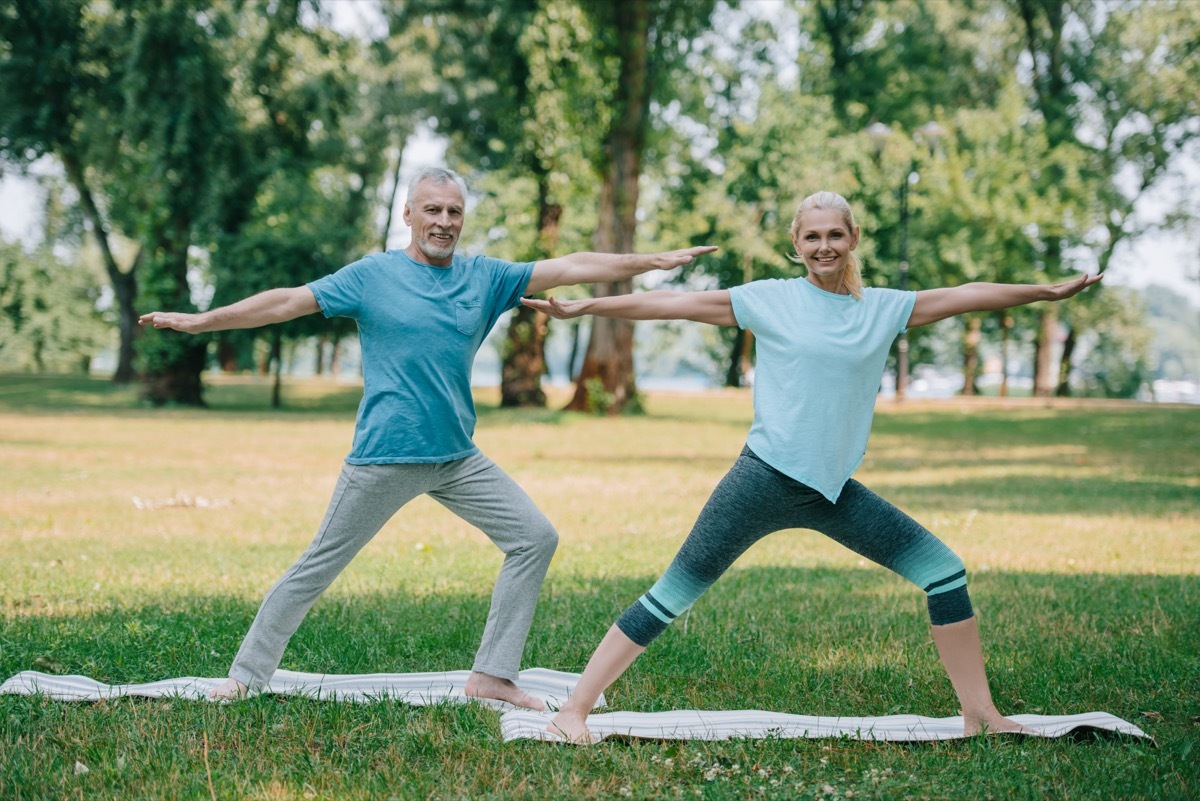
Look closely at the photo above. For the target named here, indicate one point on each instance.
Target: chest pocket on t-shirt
(468, 314)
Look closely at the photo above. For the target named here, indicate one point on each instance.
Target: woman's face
(824, 242)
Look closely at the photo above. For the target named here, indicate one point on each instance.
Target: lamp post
(902, 346)
(929, 133)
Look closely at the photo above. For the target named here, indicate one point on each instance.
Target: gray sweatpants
(365, 498)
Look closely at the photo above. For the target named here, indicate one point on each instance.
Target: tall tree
(166, 170)
(324, 123)
(729, 158)
(48, 315)
(132, 99)
(1045, 27)
(647, 40)
(517, 83)
(1136, 123)
(57, 73)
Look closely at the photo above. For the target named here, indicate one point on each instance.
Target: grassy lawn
(136, 544)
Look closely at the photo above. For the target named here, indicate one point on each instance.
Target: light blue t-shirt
(820, 359)
(419, 327)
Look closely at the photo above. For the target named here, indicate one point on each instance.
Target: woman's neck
(830, 283)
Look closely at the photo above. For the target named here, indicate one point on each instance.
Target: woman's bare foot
(481, 685)
(572, 728)
(231, 690)
(992, 722)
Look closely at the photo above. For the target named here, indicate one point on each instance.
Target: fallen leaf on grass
(47, 664)
(183, 500)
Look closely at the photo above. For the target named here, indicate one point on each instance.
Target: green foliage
(1176, 348)
(599, 399)
(48, 315)
(185, 127)
(905, 62)
(1118, 364)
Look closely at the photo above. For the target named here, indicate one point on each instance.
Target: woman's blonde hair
(852, 276)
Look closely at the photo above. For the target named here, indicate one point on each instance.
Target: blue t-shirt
(419, 327)
(820, 359)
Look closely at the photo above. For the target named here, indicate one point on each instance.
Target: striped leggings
(754, 500)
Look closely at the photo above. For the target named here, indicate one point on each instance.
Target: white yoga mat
(754, 724)
(554, 687)
(418, 689)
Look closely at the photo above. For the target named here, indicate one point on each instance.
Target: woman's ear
(854, 235)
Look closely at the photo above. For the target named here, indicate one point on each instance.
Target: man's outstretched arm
(272, 306)
(592, 268)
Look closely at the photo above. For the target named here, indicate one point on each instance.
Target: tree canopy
(211, 149)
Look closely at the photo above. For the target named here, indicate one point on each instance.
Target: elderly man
(422, 314)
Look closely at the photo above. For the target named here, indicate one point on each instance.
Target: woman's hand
(1069, 289)
(558, 309)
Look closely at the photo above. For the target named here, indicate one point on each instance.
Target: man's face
(435, 215)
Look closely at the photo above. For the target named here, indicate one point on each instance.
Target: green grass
(1078, 522)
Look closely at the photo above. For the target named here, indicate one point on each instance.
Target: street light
(929, 133)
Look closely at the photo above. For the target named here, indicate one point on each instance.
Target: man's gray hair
(439, 176)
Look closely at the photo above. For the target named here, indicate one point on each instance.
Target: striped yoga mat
(554, 687)
(520, 724)
(418, 689)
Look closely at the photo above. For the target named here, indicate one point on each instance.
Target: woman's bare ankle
(992, 722)
(572, 727)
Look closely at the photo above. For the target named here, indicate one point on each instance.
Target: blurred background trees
(193, 152)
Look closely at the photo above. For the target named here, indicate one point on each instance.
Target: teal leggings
(754, 500)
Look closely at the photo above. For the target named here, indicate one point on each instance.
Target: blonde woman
(822, 342)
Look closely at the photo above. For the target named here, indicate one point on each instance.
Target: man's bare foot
(992, 722)
(572, 728)
(481, 685)
(231, 690)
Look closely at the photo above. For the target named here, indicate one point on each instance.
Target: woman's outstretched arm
(712, 307)
(938, 304)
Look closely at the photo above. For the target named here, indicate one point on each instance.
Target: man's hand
(592, 268)
(187, 323)
(670, 259)
(265, 308)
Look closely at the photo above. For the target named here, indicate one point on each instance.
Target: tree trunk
(277, 359)
(335, 362)
(319, 361)
(1064, 365)
(971, 353)
(741, 361)
(524, 360)
(741, 364)
(1043, 360)
(606, 381)
(525, 345)
(1006, 324)
(1044, 22)
(173, 361)
(387, 225)
(178, 382)
(733, 373)
(227, 357)
(124, 283)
